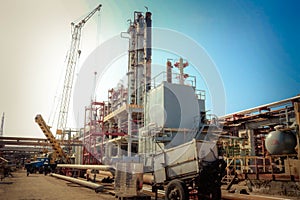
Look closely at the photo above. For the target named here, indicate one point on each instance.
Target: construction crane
(58, 151)
(2, 125)
(72, 58)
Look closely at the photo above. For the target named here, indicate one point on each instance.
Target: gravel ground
(40, 187)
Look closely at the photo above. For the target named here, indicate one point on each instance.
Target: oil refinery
(152, 138)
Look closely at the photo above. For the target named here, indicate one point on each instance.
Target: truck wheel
(176, 190)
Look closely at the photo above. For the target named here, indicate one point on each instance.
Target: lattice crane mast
(72, 58)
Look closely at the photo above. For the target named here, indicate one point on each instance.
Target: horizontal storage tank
(173, 106)
(281, 142)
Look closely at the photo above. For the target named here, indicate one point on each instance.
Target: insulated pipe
(105, 173)
(96, 187)
(97, 167)
(148, 178)
(169, 71)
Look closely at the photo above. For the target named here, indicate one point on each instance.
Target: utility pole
(2, 125)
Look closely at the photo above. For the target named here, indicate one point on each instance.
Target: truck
(41, 165)
(190, 169)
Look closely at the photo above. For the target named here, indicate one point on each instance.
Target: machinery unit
(195, 165)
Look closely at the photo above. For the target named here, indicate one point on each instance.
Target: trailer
(190, 169)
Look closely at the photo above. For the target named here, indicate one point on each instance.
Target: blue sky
(254, 44)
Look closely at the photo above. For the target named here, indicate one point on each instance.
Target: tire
(176, 190)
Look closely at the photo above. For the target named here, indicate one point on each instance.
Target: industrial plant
(153, 139)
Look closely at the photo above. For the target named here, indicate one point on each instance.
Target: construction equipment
(187, 168)
(72, 58)
(41, 165)
(58, 151)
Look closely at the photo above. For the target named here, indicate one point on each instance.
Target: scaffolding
(93, 133)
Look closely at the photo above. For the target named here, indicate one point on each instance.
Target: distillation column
(139, 64)
(148, 51)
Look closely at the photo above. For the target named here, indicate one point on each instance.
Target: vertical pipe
(119, 149)
(169, 72)
(129, 134)
(119, 131)
(250, 133)
(181, 80)
(109, 129)
(140, 26)
(130, 87)
(84, 137)
(287, 117)
(131, 64)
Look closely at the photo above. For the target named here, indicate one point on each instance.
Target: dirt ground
(41, 187)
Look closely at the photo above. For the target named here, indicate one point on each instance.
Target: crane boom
(58, 151)
(72, 58)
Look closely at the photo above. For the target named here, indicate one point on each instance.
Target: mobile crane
(72, 58)
(58, 151)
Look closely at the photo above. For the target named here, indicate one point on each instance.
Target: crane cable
(57, 97)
